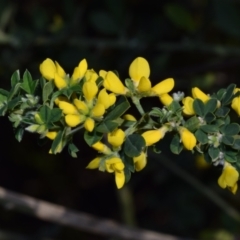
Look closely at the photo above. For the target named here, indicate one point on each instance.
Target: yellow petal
(91, 75)
(81, 105)
(60, 99)
(60, 70)
(144, 85)
(94, 163)
(67, 108)
(164, 86)
(48, 69)
(129, 117)
(112, 99)
(112, 83)
(82, 68)
(236, 105)
(51, 135)
(74, 120)
(166, 99)
(197, 93)
(139, 68)
(99, 146)
(75, 76)
(188, 139)
(103, 98)
(60, 83)
(153, 136)
(188, 106)
(231, 175)
(140, 162)
(90, 90)
(102, 73)
(119, 179)
(89, 124)
(116, 137)
(98, 110)
(234, 188)
(113, 160)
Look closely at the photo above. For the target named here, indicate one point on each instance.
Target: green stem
(138, 105)
(75, 130)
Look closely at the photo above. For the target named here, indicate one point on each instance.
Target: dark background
(197, 42)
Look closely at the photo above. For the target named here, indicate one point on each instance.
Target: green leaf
(127, 173)
(210, 106)
(92, 137)
(198, 107)
(57, 142)
(228, 94)
(236, 144)
(209, 117)
(15, 78)
(128, 162)
(19, 134)
(175, 146)
(192, 123)
(130, 85)
(207, 157)
(220, 94)
(230, 156)
(209, 128)
(14, 90)
(222, 112)
(232, 129)
(134, 145)
(47, 90)
(213, 153)
(201, 136)
(4, 92)
(14, 102)
(120, 108)
(72, 149)
(45, 113)
(106, 126)
(28, 85)
(228, 140)
(55, 115)
(174, 106)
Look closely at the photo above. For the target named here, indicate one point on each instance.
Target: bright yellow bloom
(116, 137)
(140, 161)
(139, 68)
(116, 165)
(98, 110)
(48, 69)
(91, 75)
(153, 136)
(94, 163)
(113, 83)
(188, 139)
(229, 177)
(236, 102)
(101, 147)
(51, 135)
(60, 71)
(164, 86)
(60, 99)
(166, 99)
(79, 71)
(67, 108)
(59, 82)
(188, 106)
(129, 117)
(89, 124)
(90, 90)
(81, 105)
(106, 99)
(197, 93)
(144, 85)
(102, 73)
(72, 120)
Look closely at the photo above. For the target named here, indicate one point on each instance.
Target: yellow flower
(113, 83)
(166, 99)
(188, 106)
(116, 137)
(48, 69)
(94, 163)
(91, 75)
(102, 73)
(197, 93)
(140, 161)
(60, 71)
(59, 82)
(164, 86)
(153, 136)
(236, 102)
(89, 124)
(51, 135)
(139, 68)
(144, 85)
(188, 139)
(79, 71)
(90, 90)
(129, 117)
(98, 110)
(116, 165)
(101, 147)
(106, 99)
(229, 177)
(72, 120)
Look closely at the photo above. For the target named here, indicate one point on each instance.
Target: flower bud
(188, 106)
(140, 161)
(48, 69)
(94, 163)
(188, 139)
(59, 82)
(98, 110)
(60, 71)
(197, 93)
(89, 124)
(73, 120)
(116, 137)
(153, 136)
(164, 86)
(166, 99)
(51, 135)
(90, 90)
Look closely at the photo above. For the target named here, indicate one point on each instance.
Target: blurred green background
(195, 41)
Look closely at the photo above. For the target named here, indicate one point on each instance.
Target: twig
(81, 221)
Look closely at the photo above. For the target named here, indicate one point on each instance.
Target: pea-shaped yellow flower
(164, 86)
(229, 177)
(90, 90)
(166, 99)
(79, 71)
(188, 139)
(140, 161)
(101, 147)
(188, 106)
(197, 93)
(89, 124)
(139, 68)
(236, 102)
(153, 136)
(106, 99)
(116, 137)
(144, 85)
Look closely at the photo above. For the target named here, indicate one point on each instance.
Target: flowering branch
(58, 105)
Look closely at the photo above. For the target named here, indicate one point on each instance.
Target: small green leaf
(14, 90)
(15, 78)
(222, 112)
(207, 157)
(198, 107)
(72, 149)
(92, 137)
(45, 113)
(213, 153)
(19, 134)
(175, 146)
(209, 117)
(57, 142)
(232, 129)
(128, 162)
(192, 123)
(127, 173)
(55, 115)
(120, 108)
(28, 85)
(210, 106)
(201, 136)
(236, 144)
(228, 140)
(220, 94)
(47, 90)
(228, 94)
(174, 106)
(106, 126)
(209, 128)
(134, 145)
(230, 156)
(130, 85)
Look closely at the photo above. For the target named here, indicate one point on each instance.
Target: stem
(138, 105)
(75, 130)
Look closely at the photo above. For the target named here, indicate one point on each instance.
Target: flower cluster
(95, 104)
